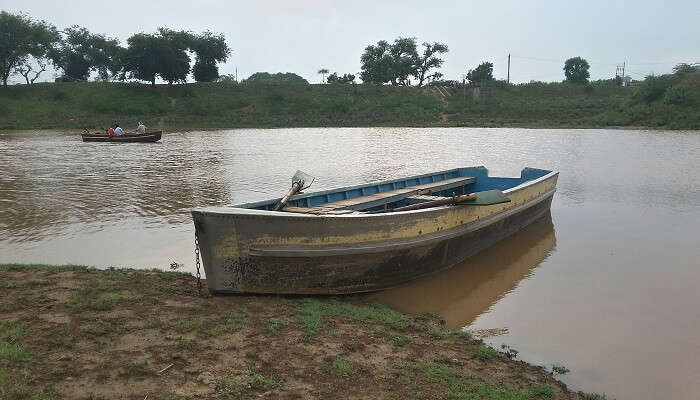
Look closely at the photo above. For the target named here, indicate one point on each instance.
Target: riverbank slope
(71, 332)
(669, 102)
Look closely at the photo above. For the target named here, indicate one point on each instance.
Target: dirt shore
(71, 332)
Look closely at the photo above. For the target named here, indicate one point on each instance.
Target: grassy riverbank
(672, 102)
(71, 332)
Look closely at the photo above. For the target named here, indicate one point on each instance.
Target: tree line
(27, 46)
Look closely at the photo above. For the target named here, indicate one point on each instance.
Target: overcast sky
(303, 36)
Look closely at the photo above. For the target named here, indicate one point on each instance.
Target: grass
(212, 105)
(464, 335)
(235, 386)
(274, 325)
(594, 396)
(560, 369)
(439, 334)
(11, 351)
(670, 101)
(16, 381)
(509, 351)
(313, 311)
(228, 386)
(188, 324)
(459, 387)
(186, 344)
(401, 340)
(258, 381)
(343, 366)
(233, 321)
(484, 353)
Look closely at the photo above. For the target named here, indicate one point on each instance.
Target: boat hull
(149, 137)
(256, 251)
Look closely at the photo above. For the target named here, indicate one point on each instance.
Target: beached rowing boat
(148, 137)
(351, 240)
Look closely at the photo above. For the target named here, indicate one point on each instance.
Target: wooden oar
(299, 181)
(435, 203)
(484, 198)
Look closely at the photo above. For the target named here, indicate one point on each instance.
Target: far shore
(180, 129)
(203, 106)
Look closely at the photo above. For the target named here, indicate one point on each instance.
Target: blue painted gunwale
(483, 182)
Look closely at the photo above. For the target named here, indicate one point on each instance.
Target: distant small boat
(366, 237)
(148, 137)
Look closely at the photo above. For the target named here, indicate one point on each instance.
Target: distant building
(626, 80)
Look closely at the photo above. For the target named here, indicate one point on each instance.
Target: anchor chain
(196, 258)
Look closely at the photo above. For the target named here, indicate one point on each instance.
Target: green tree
(163, 54)
(174, 60)
(428, 60)
(344, 79)
(684, 68)
(22, 38)
(267, 78)
(323, 72)
(404, 54)
(82, 52)
(576, 70)
(399, 62)
(654, 87)
(210, 49)
(482, 73)
(377, 63)
(228, 79)
(141, 59)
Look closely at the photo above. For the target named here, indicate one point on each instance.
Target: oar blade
(303, 176)
(488, 197)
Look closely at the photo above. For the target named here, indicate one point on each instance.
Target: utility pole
(508, 80)
(236, 74)
(464, 86)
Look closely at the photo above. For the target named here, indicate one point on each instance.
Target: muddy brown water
(608, 285)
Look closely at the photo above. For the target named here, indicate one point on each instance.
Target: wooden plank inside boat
(382, 198)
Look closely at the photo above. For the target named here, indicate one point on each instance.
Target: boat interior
(391, 194)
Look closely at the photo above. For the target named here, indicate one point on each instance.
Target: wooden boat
(148, 137)
(351, 239)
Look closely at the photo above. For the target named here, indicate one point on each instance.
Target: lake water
(608, 285)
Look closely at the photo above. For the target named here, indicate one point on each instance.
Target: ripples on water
(607, 286)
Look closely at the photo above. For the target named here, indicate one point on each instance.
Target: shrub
(560, 369)
(654, 88)
(677, 94)
(484, 353)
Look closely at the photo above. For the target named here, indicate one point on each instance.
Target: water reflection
(463, 292)
(620, 289)
(53, 184)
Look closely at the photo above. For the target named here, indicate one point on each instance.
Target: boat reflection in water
(465, 291)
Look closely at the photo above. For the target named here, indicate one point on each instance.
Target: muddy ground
(78, 333)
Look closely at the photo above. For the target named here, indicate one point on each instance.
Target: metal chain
(196, 258)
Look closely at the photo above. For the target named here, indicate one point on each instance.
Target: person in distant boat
(118, 130)
(110, 132)
(141, 128)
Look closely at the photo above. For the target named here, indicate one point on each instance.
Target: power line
(599, 63)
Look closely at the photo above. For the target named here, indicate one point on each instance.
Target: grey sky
(303, 36)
